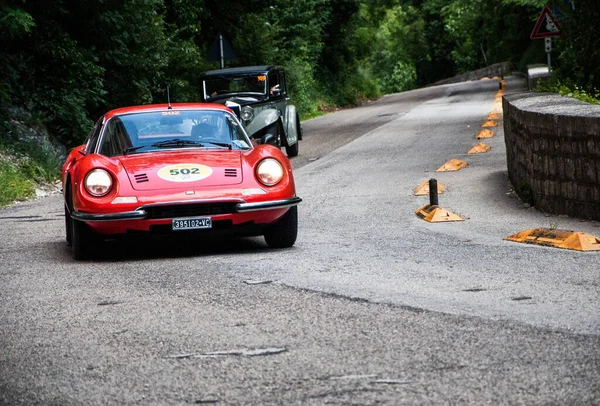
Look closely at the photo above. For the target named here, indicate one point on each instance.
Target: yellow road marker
(452, 165)
(485, 133)
(490, 123)
(572, 240)
(435, 214)
(494, 115)
(479, 148)
(423, 188)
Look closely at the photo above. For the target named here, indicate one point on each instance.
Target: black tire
(68, 208)
(283, 233)
(68, 226)
(293, 150)
(82, 240)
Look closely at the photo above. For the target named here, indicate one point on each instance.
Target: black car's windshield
(254, 84)
(172, 129)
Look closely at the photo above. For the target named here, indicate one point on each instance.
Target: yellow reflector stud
(494, 115)
(423, 188)
(479, 148)
(452, 165)
(490, 123)
(485, 133)
(435, 214)
(571, 240)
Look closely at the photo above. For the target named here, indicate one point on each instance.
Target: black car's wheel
(283, 233)
(293, 150)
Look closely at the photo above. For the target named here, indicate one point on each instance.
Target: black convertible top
(242, 70)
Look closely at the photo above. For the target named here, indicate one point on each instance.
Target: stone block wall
(553, 152)
(497, 69)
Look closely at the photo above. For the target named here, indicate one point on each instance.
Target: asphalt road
(372, 305)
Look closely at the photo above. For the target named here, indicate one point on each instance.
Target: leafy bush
(570, 89)
(14, 184)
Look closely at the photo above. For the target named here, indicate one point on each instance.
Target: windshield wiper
(133, 149)
(220, 144)
(176, 143)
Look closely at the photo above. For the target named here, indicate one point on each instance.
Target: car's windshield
(170, 129)
(255, 84)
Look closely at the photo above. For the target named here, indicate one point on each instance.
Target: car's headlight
(247, 113)
(269, 172)
(98, 182)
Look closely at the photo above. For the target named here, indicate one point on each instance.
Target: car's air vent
(232, 173)
(141, 178)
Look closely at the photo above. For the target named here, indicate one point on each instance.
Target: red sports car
(176, 169)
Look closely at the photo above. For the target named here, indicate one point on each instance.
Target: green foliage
(37, 162)
(69, 61)
(570, 89)
(404, 77)
(14, 184)
(579, 58)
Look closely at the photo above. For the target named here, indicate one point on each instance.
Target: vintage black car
(258, 95)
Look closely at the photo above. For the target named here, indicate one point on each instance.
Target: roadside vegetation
(70, 61)
(569, 89)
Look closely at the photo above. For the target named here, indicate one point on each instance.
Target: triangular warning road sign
(546, 25)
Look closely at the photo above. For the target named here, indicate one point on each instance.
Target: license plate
(192, 223)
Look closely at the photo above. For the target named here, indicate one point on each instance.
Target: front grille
(141, 178)
(231, 173)
(189, 210)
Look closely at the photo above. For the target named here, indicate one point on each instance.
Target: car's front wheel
(82, 240)
(68, 226)
(283, 234)
(293, 150)
(78, 235)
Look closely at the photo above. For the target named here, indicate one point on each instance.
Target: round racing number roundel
(184, 172)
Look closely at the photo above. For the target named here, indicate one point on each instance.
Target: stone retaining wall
(553, 152)
(497, 69)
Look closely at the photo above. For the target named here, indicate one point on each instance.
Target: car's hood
(240, 99)
(189, 169)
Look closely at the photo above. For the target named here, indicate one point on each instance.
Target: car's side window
(93, 138)
(115, 138)
(282, 82)
(274, 84)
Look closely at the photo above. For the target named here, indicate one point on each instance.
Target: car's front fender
(292, 126)
(263, 119)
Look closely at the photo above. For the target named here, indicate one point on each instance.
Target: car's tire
(68, 209)
(293, 150)
(82, 240)
(283, 234)
(68, 226)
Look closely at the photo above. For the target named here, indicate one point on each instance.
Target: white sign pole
(548, 45)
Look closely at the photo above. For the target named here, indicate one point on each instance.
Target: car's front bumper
(143, 212)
